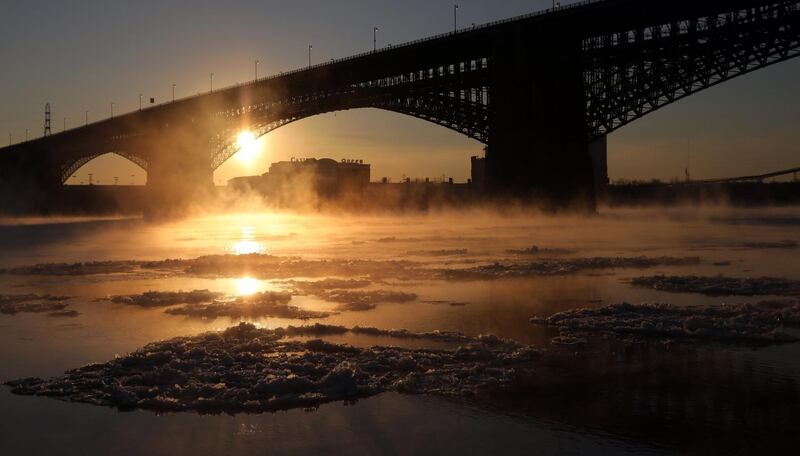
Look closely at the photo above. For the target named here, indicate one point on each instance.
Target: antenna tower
(47, 119)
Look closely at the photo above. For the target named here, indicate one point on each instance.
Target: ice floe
(167, 298)
(356, 300)
(53, 306)
(443, 252)
(563, 267)
(535, 250)
(721, 285)
(266, 304)
(761, 322)
(247, 369)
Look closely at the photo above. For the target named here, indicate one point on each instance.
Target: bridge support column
(538, 138)
(29, 184)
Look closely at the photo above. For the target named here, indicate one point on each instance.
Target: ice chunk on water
(762, 322)
(249, 369)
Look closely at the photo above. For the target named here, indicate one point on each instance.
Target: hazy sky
(83, 54)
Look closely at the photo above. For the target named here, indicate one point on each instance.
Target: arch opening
(110, 168)
(397, 145)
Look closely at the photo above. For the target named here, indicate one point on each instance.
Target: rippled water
(610, 398)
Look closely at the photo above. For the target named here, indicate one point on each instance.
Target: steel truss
(631, 73)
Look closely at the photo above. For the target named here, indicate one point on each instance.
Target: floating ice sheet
(54, 306)
(274, 267)
(762, 322)
(247, 369)
(721, 285)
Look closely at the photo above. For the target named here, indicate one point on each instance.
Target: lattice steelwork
(70, 168)
(633, 72)
(454, 95)
(635, 56)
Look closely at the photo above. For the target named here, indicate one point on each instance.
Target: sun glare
(248, 147)
(247, 286)
(247, 245)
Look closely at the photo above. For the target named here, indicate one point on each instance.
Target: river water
(698, 397)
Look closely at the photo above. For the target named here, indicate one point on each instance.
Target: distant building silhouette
(323, 177)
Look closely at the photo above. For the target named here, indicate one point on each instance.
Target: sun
(248, 147)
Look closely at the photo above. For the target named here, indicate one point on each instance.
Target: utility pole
(455, 17)
(375, 39)
(47, 130)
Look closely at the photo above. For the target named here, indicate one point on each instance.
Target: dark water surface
(610, 398)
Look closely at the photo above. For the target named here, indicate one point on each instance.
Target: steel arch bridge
(536, 89)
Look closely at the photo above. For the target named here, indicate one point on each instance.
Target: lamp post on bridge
(257, 69)
(455, 17)
(310, 47)
(375, 39)
(173, 93)
(140, 102)
(112, 109)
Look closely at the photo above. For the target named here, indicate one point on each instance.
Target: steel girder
(69, 168)
(631, 73)
(455, 96)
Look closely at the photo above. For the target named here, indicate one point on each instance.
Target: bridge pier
(538, 147)
(28, 184)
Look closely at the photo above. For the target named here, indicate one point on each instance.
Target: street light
(173, 93)
(455, 17)
(310, 47)
(140, 102)
(87, 117)
(212, 82)
(375, 39)
(256, 69)
(112, 109)
(65, 124)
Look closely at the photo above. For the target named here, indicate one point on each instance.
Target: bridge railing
(399, 46)
(354, 57)
(418, 41)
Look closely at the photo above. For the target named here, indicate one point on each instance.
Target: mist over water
(114, 285)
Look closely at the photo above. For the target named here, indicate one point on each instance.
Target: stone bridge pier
(538, 145)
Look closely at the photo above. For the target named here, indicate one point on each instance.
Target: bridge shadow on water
(688, 398)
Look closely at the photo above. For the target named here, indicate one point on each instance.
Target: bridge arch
(72, 167)
(456, 114)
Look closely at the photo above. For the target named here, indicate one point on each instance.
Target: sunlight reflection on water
(247, 286)
(247, 245)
